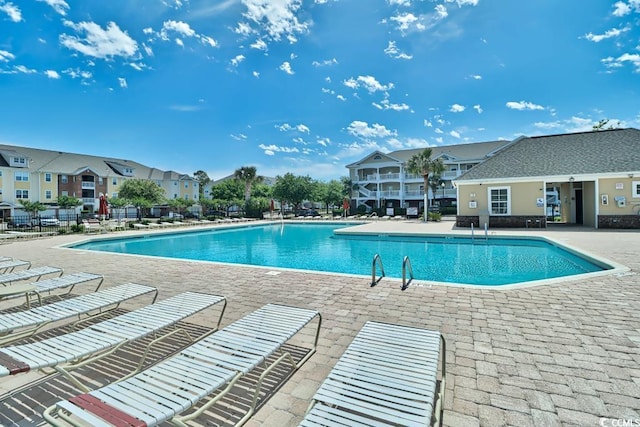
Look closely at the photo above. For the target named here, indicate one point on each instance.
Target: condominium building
(44, 175)
(382, 180)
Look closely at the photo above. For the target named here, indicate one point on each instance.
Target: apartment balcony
(414, 193)
(451, 174)
(388, 194)
(389, 176)
(88, 185)
(88, 200)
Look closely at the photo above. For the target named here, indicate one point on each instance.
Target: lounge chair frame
(19, 325)
(386, 377)
(214, 364)
(37, 288)
(37, 273)
(68, 352)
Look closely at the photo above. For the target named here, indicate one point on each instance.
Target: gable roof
(474, 151)
(594, 152)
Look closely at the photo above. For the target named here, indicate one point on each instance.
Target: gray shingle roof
(607, 151)
(462, 152)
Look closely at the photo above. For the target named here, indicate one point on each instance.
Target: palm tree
(249, 176)
(423, 164)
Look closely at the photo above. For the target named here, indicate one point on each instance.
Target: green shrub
(77, 228)
(434, 216)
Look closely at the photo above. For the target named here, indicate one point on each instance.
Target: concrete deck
(561, 354)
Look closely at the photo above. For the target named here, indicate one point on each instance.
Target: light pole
(442, 185)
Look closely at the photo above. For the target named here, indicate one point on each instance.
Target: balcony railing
(389, 193)
(88, 184)
(390, 176)
(88, 200)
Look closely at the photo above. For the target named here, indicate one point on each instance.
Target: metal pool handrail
(406, 262)
(376, 259)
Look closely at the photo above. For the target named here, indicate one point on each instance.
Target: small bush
(77, 228)
(434, 216)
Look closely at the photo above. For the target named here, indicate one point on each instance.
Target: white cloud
(368, 82)
(478, 108)
(457, 108)
(618, 62)
(302, 128)
(99, 43)
(60, 6)
(393, 51)
(476, 76)
(454, 134)
(614, 32)
(286, 67)
(6, 56)
(122, 82)
(275, 19)
(259, 44)
(428, 123)
(78, 74)
(272, 149)
(341, 98)
(463, 2)
(256, 74)
(239, 137)
(237, 60)
(523, 105)
(206, 40)
(363, 130)
(12, 11)
(621, 9)
(326, 62)
(386, 105)
(400, 2)
(179, 27)
(438, 130)
(52, 74)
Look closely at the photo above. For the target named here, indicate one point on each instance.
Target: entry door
(579, 210)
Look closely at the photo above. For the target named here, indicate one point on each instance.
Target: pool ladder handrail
(376, 259)
(406, 262)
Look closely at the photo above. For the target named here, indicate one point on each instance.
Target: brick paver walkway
(562, 354)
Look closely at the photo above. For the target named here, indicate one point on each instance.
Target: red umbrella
(103, 207)
(272, 205)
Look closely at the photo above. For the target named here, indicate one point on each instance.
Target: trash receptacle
(483, 218)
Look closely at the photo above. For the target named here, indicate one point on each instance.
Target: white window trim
(489, 189)
(634, 189)
(48, 177)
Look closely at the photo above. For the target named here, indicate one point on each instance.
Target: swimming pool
(453, 259)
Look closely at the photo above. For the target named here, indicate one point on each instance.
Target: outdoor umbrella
(103, 207)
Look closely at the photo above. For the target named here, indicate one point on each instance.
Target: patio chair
(48, 285)
(37, 273)
(7, 266)
(387, 376)
(68, 352)
(213, 364)
(18, 325)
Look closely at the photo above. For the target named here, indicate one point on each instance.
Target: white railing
(88, 184)
(371, 177)
(89, 200)
(411, 176)
(364, 191)
(414, 193)
(389, 176)
(390, 193)
(451, 174)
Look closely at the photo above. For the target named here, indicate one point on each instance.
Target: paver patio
(562, 354)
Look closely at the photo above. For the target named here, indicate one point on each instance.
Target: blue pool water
(316, 247)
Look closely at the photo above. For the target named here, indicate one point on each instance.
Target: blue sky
(308, 86)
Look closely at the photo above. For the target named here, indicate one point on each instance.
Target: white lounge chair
(31, 273)
(14, 326)
(9, 265)
(215, 363)
(48, 285)
(387, 376)
(68, 352)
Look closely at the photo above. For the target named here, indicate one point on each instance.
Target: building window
(635, 189)
(499, 200)
(186, 185)
(65, 193)
(47, 177)
(64, 179)
(100, 180)
(114, 195)
(22, 194)
(0, 173)
(22, 176)
(114, 181)
(47, 194)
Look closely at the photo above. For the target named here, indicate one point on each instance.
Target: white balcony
(389, 176)
(88, 200)
(389, 193)
(88, 184)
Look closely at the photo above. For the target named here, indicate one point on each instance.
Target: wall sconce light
(630, 175)
(571, 179)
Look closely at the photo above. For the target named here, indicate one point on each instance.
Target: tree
(249, 176)
(292, 189)
(434, 184)
(68, 203)
(141, 193)
(33, 208)
(203, 179)
(330, 193)
(347, 186)
(602, 125)
(117, 203)
(423, 164)
(179, 203)
(226, 194)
